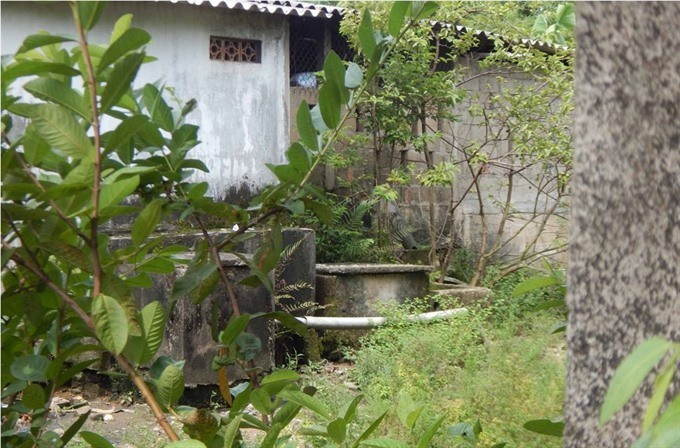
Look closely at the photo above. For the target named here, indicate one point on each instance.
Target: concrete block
(354, 289)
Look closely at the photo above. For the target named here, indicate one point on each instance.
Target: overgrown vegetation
(501, 365)
(482, 128)
(64, 177)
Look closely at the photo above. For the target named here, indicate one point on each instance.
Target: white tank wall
(242, 107)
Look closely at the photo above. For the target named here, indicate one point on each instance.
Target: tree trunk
(624, 270)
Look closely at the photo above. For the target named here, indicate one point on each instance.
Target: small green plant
(659, 426)
(470, 433)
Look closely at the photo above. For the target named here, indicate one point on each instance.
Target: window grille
(235, 50)
(310, 40)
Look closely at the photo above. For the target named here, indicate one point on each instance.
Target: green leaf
(307, 401)
(114, 193)
(464, 430)
(70, 254)
(72, 430)
(146, 221)
(397, 15)
(552, 427)
(120, 79)
(29, 68)
(58, 128)
(299, 157)
(186, 444)
(329, 104)
(280, 375)
(305, 127)
(549, 304)
(337, 430)
(630, 374)
(565, 17)
(30, 367)
(169, 386)
(666, 432)
(157, 265)
(125, 130)
(121, 26)
(111, 323)
(142, 349)
(661, 385)
(477, 428)
(349, 410)
(13, 388)
(370, 430)
(422, 10)
(334, 72)
(231, 432)
(250, 421)
(272, 435)
(50, 89)
(261, 401)
(286, 413)
(354, 75)
(322, 211)
(153, 319)
(131, 39)
(235, 327)
(95, 440)
(367, 35)
(408, 411)
(89, 13)
(286, 173)
(425, 440)
(193, 278)
(314, 431)
(317, 119)
(40, 40)
(534, 283)
(160, 112)
(33, 396)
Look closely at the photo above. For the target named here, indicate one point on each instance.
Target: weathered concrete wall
(242, 107)
(527, 204)
(624, 271)
(354, 289)
(192, 330)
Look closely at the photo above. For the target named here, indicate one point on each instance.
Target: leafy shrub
(505, 305)
(349, 237)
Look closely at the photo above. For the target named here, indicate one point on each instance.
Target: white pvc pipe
(360, 323)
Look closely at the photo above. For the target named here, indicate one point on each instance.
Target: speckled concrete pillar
(624, 272)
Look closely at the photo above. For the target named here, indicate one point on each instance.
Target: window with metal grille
(310, 41)
(235, 50)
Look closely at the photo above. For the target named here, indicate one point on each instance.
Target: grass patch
(500, 365)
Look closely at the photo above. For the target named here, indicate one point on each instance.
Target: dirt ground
(126, 421)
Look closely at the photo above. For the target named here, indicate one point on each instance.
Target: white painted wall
(242, 107)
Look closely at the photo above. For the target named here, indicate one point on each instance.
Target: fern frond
(288, 251)
(300, 285)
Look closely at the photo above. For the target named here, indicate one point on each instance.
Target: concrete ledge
(368, 268)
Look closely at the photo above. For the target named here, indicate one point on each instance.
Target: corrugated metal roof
(302, 9)
(287, 8)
